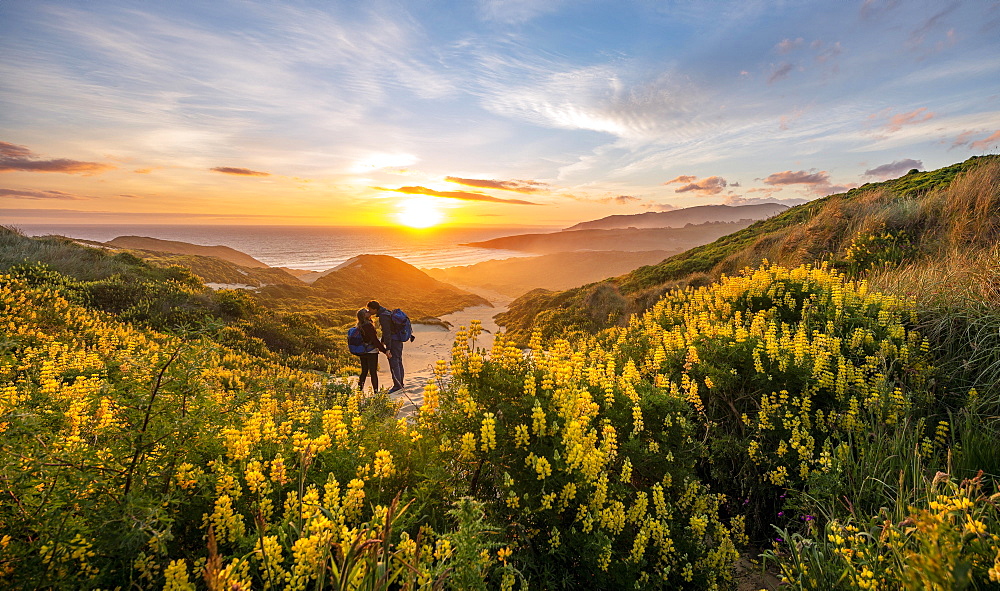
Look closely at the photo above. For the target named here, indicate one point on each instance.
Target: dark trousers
(369, 365)
(396, 363)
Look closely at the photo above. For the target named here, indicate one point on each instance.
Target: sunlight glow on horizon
(419, 212)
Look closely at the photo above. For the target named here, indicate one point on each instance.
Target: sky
(477, 112)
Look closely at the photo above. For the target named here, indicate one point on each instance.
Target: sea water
(315, 248)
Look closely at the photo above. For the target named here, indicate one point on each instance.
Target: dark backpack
(356, 342)
(401, 328)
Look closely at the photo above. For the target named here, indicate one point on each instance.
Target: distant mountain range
(562, 270)
(679, 218)
(627, 239)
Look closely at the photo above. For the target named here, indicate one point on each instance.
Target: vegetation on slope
(168, 299)
(184, 248)
(847, 432)
(217, 271)
(931, 212)
(647, 455)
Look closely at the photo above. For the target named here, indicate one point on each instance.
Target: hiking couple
(364, 342)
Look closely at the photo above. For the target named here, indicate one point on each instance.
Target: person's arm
(368, 331)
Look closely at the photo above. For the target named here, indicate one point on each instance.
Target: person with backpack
(362, 340)
(396, 330)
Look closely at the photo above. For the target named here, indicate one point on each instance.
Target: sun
(419, 212)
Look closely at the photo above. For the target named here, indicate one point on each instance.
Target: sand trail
(431, 344)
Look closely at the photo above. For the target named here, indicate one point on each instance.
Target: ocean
(315, 248)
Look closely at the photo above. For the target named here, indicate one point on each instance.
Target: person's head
(364, 316)
(374, 306)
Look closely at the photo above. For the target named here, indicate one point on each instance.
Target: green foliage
(954, 205)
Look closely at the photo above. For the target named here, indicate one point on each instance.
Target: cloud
(789, 45)
(35, 194)
(712, 185)
(798, 178)
(824, 190)
(518, 186)
(896, 122)
(621, 199)
(872, 8)
(516, 11)
(239, 171)
(684, 178)
(463, 195)
(965, 139)
(658, 206)
(894, 168)
(985, 142)
(742, 200)
(782, 72)
(143, 170)
(14, 157)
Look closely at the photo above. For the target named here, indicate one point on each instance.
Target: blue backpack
(356, 342)
(401, 328)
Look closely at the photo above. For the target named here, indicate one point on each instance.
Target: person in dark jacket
(391, 340)
(369, 361)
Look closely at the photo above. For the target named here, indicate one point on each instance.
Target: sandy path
(433, 343)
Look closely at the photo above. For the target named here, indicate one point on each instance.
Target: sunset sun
(419, 212)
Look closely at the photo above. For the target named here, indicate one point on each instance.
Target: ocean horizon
(314, 248)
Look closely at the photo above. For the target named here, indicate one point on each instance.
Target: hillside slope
(174, 247)
(679, 218)
(917, 215)
(215, 271)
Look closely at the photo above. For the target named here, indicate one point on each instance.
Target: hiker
(369, 359)
(394, 332)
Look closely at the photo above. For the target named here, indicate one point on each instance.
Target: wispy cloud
(462, 195)
(986, 142)
(712, 185)
(14, 157)
(899, 120)
(744, 200)
(239, 171)
(894, 168)
(781, 72)
(621, 199)
(41, 194)
(965, 139)
(519, 186)
(876, 8)
(789, 45)
(684, 178)
(516, 11)
(800, 177)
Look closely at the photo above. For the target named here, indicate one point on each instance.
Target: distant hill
(679, 218)
(563, 270)
(216, 272)
(172, 246)
(390, 280)
(628, 239)
(919, 216)
(394, 283)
